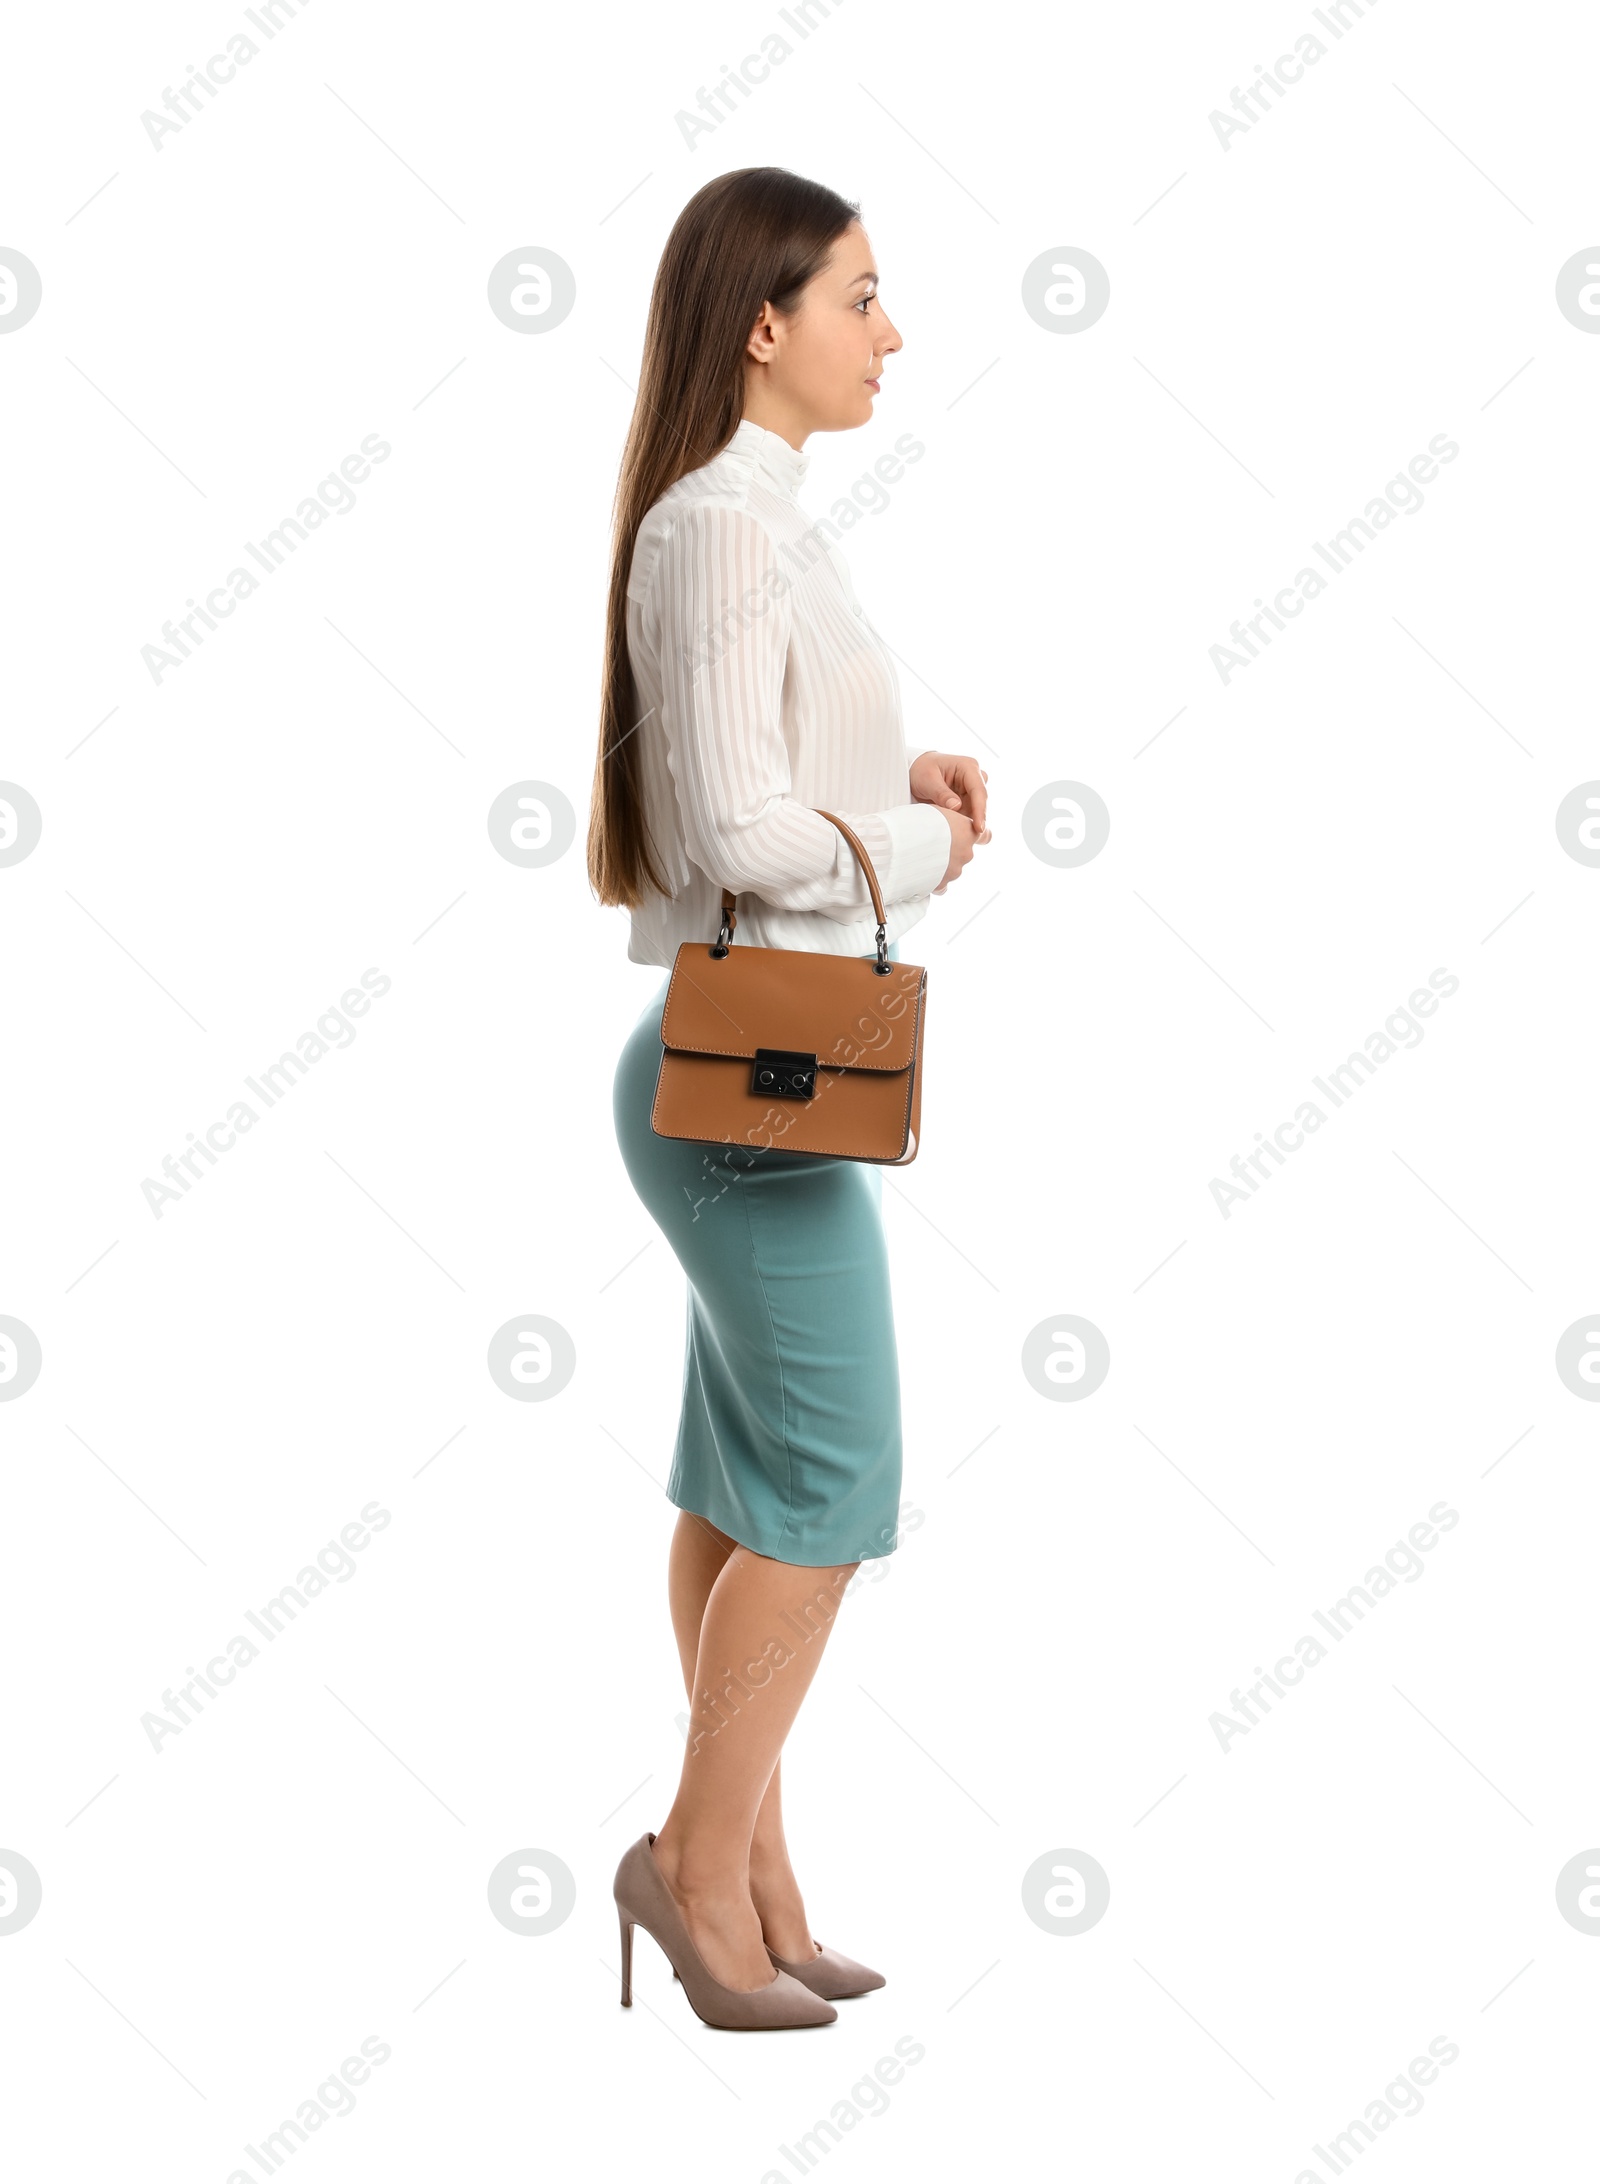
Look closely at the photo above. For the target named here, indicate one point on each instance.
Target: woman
(744, 690)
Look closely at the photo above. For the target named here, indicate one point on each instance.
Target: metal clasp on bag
(779, 1073)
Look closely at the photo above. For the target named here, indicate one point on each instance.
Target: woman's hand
(957, 785)
(964, 837)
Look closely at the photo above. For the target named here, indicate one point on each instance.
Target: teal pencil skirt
(789, 1435)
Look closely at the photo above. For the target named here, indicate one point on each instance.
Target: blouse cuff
(919, 850)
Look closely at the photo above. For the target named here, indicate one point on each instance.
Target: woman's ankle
(770, 1870)
(695, 1876)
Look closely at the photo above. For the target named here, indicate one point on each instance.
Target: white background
(1291, 320)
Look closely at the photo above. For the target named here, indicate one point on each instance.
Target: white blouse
(763, 692)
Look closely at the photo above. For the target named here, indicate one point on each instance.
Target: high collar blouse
(763, 693)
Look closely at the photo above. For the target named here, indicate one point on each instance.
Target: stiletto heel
(644, 1899)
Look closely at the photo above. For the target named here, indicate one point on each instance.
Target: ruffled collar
(784, 467)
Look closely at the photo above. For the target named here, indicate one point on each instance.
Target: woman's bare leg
(698, 1553)
(773, 1888)
(762, 1631)
(694, 1563)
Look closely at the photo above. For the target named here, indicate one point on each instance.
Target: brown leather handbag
(787, 1050)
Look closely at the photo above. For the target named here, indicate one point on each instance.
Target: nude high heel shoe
(644, 1899)
(831, 1974)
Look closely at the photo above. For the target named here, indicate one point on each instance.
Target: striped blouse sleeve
(721, 612)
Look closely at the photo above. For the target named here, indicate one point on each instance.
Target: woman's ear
(763, 342)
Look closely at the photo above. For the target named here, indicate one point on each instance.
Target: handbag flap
(836, 1007)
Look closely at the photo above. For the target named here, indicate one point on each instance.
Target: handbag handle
(882, 965)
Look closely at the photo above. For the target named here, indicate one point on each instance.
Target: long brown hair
(755, 236)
